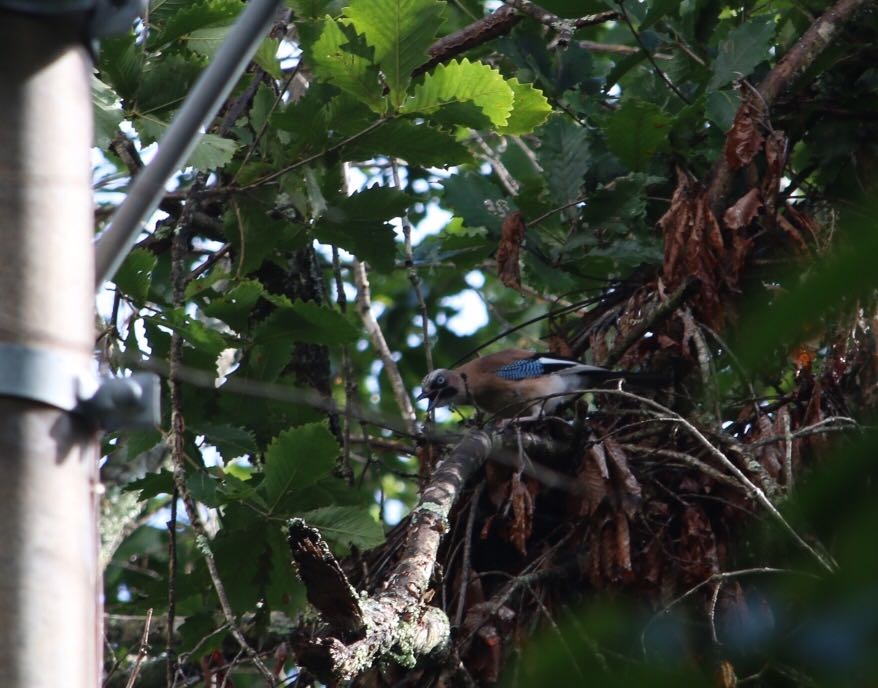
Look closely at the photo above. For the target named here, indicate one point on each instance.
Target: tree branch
(564, 28)
(398, 623)
(812, 43)
(364, 308)
(479, 32)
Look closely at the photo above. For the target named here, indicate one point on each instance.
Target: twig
(177, 437)
(347, 373)
(178, 275)
(692, 461)
(714, 577)
(705, 364)
(754, 489)
(506, 179)
(142, 652)
(659, 314)
(467, 551)
(807, 49)
(551, 212)
(735, 361)
(825, 425)
(658, 70)
(616, 49)
(252, 147)
(414, 278)
(564, 28)
(202, 542)
(210, 262)
(364, 308)
(311, 158)
(788, 453)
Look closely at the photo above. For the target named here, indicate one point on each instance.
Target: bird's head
(443, 387)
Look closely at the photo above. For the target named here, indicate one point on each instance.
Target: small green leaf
(121, 64)
(165, 84)
(416, 143)
(194, 332)
(658, 9)
(477, 200)
(463, 82)
(235, 306)
(744, 48)
(304, 321)
(135, 274)
(211, 152)
(263, 237)
(153, 484)
(308, 9)
(721, 107)
(206, 41)
(108, 113)
(231, 442)
(297, 458)
(358, 224)
(400, 31)
(266, 57)
(337, 56)
(203, 487)
(196, 16)
(343, 526)
(637, 131)
(564, 158)
(285, 591)
(529, 110)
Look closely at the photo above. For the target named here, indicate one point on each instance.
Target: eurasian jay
(514, 382)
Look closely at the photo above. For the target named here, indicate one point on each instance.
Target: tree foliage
(663, 186)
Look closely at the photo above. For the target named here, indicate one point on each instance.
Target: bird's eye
(440, 381)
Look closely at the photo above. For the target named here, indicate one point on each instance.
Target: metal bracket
(107, 16)
(58, 379)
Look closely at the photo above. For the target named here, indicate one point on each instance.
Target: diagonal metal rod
(211, 89)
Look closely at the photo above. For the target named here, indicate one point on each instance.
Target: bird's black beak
(431, 395)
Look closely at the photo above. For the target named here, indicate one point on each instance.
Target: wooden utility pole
(49, 579)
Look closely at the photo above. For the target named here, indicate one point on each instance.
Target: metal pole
(49, 578)
(211, 89)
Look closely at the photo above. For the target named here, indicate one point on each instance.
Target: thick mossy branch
(399, 625)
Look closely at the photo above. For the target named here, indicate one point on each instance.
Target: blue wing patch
(522, 369)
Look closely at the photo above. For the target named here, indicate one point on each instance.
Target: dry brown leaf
(694, 246)
(793, 232)
(698, 552)
(769, 455)
(744, 210)
(522, 515)
(776, 145)
(744, 140)
(625, 483)
(623, 543)
(511, 238)
(591, 479)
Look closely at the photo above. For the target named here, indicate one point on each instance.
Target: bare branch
(364, 308)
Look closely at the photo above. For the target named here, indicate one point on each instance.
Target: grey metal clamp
(107, 17)
(57, 379)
